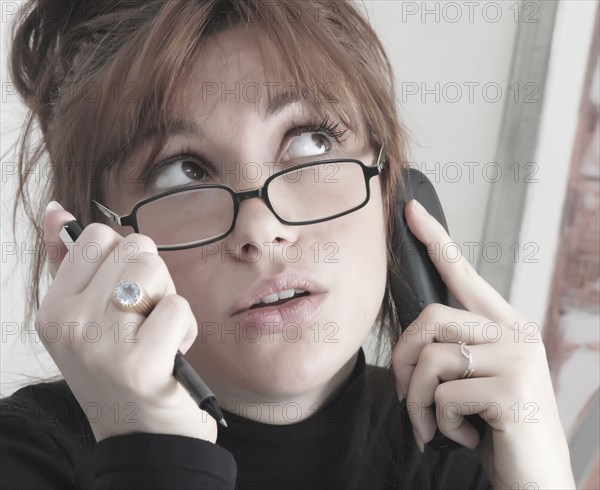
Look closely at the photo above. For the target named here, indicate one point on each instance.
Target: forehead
(236, 52)
(237, 79)
(239, 67)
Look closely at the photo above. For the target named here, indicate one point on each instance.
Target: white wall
(428, 47)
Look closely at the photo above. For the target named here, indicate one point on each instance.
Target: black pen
(183, 371)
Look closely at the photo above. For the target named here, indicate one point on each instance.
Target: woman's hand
(119, 365)
(510, 389)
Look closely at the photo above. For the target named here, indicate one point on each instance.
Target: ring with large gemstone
(130, 296)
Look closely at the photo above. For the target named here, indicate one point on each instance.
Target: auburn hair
(97, 75)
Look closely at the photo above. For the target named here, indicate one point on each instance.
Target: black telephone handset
(419, 283)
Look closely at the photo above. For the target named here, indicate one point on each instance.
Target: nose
(257, 231)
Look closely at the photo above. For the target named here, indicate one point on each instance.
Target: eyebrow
(182, 127)
(280, 102)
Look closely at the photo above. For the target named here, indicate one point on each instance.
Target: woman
(271, 301)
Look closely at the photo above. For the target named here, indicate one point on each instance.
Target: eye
(178, 171)
(315, 138)
(308, 144)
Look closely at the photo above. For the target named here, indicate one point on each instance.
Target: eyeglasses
(304, 194)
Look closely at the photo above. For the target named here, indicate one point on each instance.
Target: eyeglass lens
(305, 194)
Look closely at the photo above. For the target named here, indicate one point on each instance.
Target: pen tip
(222, 422)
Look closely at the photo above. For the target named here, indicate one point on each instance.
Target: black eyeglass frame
(237, 197)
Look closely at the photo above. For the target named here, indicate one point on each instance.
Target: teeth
(288, 293)
(270, 299)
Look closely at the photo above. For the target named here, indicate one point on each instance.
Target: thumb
(56, 217)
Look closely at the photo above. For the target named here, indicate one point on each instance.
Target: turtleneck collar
(316, 444)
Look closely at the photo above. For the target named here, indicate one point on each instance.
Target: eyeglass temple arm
(108, 213)
(378, 162)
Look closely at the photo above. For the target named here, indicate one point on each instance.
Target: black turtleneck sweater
(361, 439)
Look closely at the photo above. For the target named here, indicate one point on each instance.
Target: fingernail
(418, 207)
(419, 441)
(53, 206)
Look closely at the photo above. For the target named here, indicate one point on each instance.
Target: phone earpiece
(416, 282)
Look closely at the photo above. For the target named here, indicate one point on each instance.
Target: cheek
(366, 247)
(192, 276)
(362, 268)
(366, 240)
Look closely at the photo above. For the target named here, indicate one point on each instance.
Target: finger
(149, 271)
(135, 259)
(438, 323)
(441, 363)
(94, 246)
(170, 326)
(55, 218)
(468, 287)
(442, 323)
(455, 399)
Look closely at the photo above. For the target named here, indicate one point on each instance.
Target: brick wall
(572, 329)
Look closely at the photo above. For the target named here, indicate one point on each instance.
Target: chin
(286, 370)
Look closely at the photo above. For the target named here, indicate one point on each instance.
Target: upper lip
(269, 285)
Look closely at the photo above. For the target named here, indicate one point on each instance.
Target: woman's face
(342, 262)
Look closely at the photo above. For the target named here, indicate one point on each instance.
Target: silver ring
(465, 351)
(131, 297)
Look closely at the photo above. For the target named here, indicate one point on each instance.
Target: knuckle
(431, 352)
(98, 232)
(177, 303)
(433, 311)
(95, 230)
(440, 395)
(151, 261)
(102, 235)
(140, 242)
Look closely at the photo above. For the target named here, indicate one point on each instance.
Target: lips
(275, 316)
(299, 293)
(274, 319)
(266, 287)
